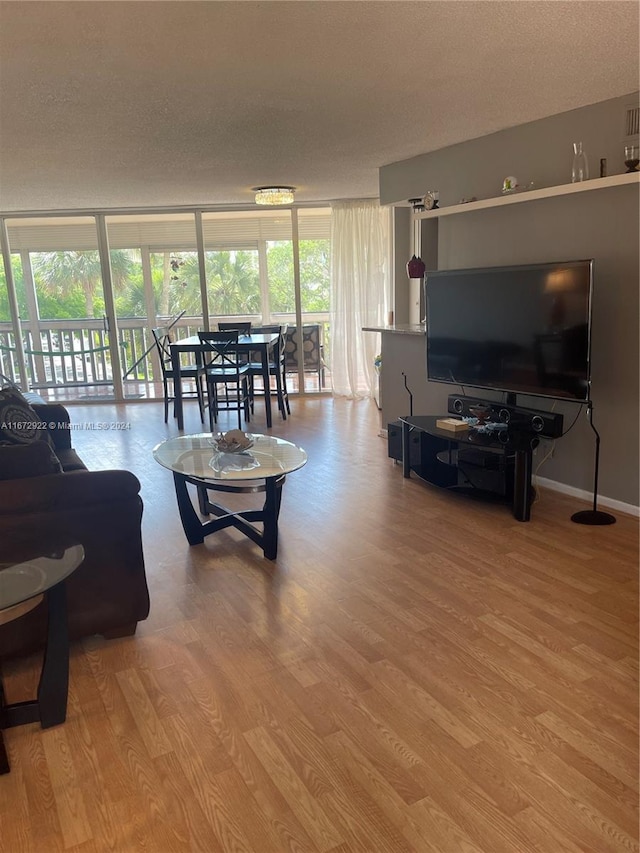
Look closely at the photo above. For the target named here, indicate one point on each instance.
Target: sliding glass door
(162, 289)
(238, 275)
(59, 288)
(184, 269)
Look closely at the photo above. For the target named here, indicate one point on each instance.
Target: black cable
(575, 420)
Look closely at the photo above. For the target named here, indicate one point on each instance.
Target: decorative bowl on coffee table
(482, 413)
(237, 442)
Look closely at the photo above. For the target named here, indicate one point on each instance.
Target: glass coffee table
(22, 587)
(262, 468)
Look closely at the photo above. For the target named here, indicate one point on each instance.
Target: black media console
(488, 466)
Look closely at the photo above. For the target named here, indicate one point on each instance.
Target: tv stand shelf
(477, 465)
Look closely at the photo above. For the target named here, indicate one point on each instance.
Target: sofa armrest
(100, 510)
(76, 489)
(57, 419)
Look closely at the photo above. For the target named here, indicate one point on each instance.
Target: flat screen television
(519, 329)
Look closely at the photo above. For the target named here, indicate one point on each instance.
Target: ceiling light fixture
(274, 195)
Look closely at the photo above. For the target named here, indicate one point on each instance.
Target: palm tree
(233, 282)
(62, 272)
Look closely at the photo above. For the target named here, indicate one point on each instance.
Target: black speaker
(394, 441)
(459, 404)
(543, 424)
(394, 444)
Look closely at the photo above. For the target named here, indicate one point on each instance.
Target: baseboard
(611, 503)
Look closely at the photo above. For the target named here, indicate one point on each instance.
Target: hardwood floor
(416, 672)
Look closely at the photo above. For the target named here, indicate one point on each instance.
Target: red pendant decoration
(415, 267)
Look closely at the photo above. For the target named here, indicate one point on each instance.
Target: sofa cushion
(31, 397)
(19, 461)
(20, 425)
(59, 424)
(70, 460)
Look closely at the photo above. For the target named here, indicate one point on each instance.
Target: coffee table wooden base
(195, 529)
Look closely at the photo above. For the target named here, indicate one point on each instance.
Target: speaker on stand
(593, 516)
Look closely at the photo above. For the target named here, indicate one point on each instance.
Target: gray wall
(540, 151)
(401, 253)
(603, 225)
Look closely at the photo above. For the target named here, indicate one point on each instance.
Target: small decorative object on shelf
(431, 200)
(580, 166)
(603, 167)
(467, 200)
(417, 204)
(415, 267)
(631, 158)
(510, 184)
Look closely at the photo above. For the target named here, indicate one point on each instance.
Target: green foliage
(68, 284)
(280, 273)
(315, 258)
(314, 276)
(16, 266)
(233, 282)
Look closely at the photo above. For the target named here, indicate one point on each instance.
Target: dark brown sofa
(101, 510)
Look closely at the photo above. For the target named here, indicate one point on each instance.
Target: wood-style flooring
(416, 672)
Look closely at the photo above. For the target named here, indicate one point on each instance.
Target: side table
(22, 588)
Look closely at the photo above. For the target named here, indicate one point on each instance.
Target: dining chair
(276, 368)
(194, 372)
(310, 351)
(243, 327)
(222, 368)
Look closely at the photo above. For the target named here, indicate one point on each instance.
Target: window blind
(167, 231)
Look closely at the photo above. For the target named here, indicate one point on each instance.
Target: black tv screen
(520, 329)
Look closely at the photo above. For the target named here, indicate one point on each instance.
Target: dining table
(261, 343)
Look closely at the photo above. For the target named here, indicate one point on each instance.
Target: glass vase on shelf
(580, 166)
(631, 160)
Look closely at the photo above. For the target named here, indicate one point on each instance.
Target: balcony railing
(75, 353)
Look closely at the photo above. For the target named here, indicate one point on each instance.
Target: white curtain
(360, 292)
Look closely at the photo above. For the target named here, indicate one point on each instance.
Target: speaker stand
(593, 516)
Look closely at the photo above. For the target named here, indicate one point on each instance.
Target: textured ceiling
(110, 104)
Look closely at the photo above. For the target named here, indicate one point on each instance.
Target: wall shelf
(532, 195)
